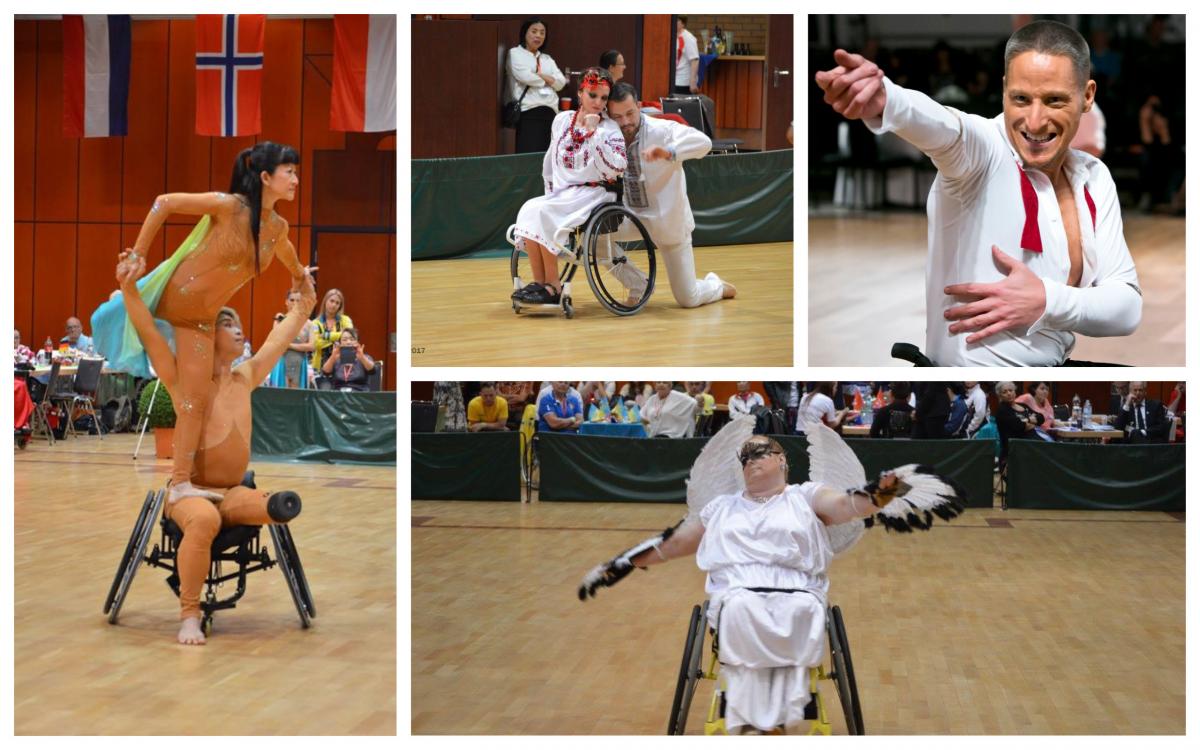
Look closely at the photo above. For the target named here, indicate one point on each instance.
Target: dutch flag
(95, 76)
(363, 96)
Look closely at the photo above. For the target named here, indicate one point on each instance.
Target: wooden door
(779, 83)
(456, 72)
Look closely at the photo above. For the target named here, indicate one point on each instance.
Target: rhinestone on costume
(187, 405)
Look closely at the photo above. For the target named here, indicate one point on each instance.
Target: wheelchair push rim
(289, 575)
(689, 672)
(601, 243)
(143, 529)
(843, 672)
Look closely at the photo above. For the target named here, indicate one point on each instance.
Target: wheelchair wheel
(843, 671)
(689, 671)
(619, 258)
(287, 561)
(143, 528)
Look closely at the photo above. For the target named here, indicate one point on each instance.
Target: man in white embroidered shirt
(1026, 243)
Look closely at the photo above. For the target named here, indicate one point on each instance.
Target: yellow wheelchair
(692, 670)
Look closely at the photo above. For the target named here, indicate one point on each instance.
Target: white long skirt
(549, 219)
(768, 642)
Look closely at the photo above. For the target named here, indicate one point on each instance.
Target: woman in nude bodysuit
(236, 238)
(223, 449)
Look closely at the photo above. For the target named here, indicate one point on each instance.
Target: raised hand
(854, 88)
(590, 122)
(130, 267)
(655, 153)
(1016, 302)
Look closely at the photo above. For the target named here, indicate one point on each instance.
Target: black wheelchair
(692, 670)
(237, 545)
(616, 252)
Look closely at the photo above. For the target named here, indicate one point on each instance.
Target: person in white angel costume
(766, 546)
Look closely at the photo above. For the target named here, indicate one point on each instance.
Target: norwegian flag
(229, 60)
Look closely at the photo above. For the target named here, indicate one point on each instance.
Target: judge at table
(1143, 420)
(670, 413)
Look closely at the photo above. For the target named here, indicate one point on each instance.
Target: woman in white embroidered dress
(587, 152)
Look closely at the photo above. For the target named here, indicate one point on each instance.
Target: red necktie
(679, 50)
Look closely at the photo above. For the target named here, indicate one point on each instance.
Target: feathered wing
(717, 471)
(832, 463)
(927, 495)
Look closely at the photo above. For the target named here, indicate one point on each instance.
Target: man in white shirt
(1026, 243)
(978, 401)
(670, 413)
(687, 59)
(656, 192)
(745, 400)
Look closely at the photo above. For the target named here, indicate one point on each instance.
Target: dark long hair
(525, 27)
(250, 163)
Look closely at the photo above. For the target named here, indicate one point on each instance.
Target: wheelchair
(237, 545)
(613, 247)
(692, 670)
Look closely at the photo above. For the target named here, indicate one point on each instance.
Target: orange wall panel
(57, 162)
(658, 62)
(53, 280)
(23, 279)
(345, 261)
(100, 164)
(24, 118)
(96, 261)
(146, 151)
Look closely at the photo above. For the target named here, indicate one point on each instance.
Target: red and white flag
(96, 51)
(229, 61)
(364, 73)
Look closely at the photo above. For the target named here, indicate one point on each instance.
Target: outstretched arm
(678, 541)
(195, 204)
(129, 268)
(281, 336)
(834, 506)
(286, 253)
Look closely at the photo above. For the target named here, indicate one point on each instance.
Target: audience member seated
(1143, 420)
(1013, 420)
(486, 412)
(961, 411)
(21, 353)
(699, 391)
(1120, 392)
(348, 365)
(560, 409)
(745, 401)
(896, 418)
(979, 403)
(516, 394)
(75, 336)
(669, 413)
(598, 393)
(636, 392)
(817, 405)
(1038, 399)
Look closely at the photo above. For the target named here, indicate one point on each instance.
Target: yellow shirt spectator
(479, 413)
(707, 410)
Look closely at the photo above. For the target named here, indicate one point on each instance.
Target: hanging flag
(95, 76)
(363, 98)
(229, 60)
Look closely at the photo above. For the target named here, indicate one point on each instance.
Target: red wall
(79, 202)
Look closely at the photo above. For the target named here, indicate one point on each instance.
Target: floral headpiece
(592, 81)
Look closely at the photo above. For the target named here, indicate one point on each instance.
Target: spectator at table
(448, 394)
(349, 366)
(486, 412)
(637, 392)
(614, 62)
(669, 413)
(687, 59)
(1120, 392)
(933, 409)
(1013, 420)
(1143, 420)
(516, 394)
(75, 336)
(894, 420)
(817, 405)
(21, 353)
(745, 401)
(1038, 399)
(533, 78)
(326, 329)
(961, 411)
(979, 403)
(598, 393)
(560, 409)
(699, 391)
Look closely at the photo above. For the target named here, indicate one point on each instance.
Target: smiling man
(1026, 242)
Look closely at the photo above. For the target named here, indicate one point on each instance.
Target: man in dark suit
(1143, 420)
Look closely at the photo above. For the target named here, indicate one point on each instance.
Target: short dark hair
(488, 384)
(525, 27)
(623, 91)
(609, 58)
(1033, 386)
(1051, 38)
(957, 388)
(901, 391)
(353, 332)
(682, 18)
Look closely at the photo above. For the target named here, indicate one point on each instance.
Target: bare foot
(728, 291)
(187, 489)
(190, 633)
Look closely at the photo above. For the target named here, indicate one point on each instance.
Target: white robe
(567, 169)
(768, 641)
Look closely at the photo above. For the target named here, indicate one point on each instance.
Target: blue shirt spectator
(559, 410)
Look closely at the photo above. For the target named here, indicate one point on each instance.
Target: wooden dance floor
(462, 315)
(1019, 622)
(866, 290)
(260, 673)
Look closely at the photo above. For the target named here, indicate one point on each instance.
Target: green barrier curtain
(330, 426)
(581, 468)
(466, 466)
(1062, 476)
(463, 206)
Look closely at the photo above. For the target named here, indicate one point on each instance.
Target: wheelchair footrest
(810, 711)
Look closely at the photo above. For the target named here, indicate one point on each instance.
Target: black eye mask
(752, 451)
